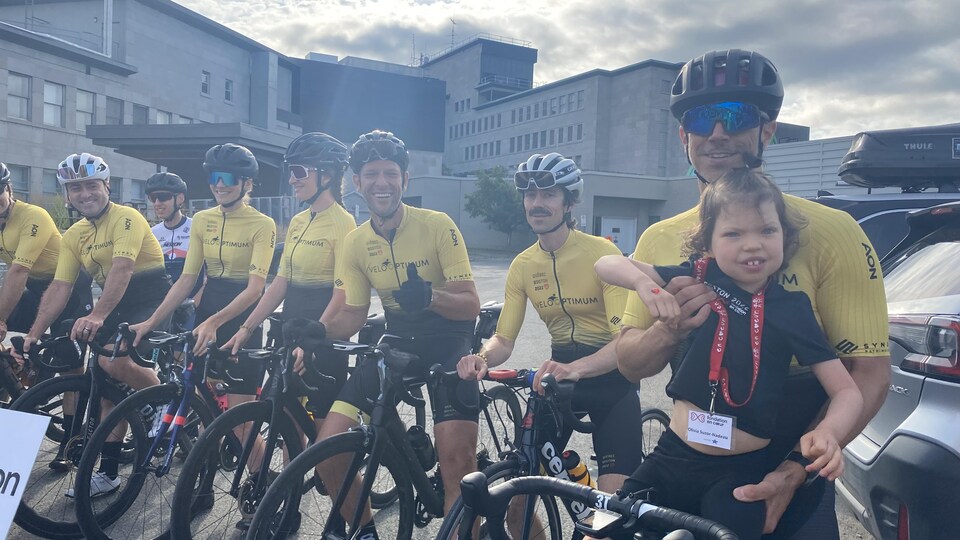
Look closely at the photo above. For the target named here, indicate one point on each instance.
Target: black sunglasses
(162, 196)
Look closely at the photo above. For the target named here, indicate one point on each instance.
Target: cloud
(862, 64)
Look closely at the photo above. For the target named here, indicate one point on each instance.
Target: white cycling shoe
(100, 484)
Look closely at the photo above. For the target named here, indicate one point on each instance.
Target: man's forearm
(345, 322)
(51, 305)
(455, 305)
(872, 376)
(644, 353)
(12, 289)
(497, 350)
(599, 363)
(114, 288)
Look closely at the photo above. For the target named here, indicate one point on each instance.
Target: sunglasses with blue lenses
(733, 116)
(228, 179)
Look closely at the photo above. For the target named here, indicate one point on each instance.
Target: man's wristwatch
(797, 457)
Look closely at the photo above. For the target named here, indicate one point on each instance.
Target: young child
(727, 385)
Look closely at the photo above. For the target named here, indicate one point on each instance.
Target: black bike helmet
(231, 158)
(732, 75)
(165, 181)
(378, 145)
(4, 174)
(318, 150)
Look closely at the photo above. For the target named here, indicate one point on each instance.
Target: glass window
(136, 190)
(512, 147)
(559, 135)
(536, 111)
(543, 108)
(918, 273)
(486, 123)
(553, 137)
(513, 116)
(19, 179)
(466, 154)
(185, 119)
(543, 138)
(450, 135)
(86, 109)
(569, 133)
(579, 132)
(468, 103)
(141, 114)
(228, 90)
(570, 98)
(499, 120)
(579, 100)
(563, 105)
(456, 106)
(205, 83)
(553, 105)
(577, 159)
(18, 96)
(528, 113)
(51, 186)
(53, 104)
(498, 147)
(114, 111)
(285, 89)
(116, 190)
(163, 117)
(526, 141)
(665, 86)
(536, 140)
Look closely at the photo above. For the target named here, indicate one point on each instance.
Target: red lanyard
(719, 374)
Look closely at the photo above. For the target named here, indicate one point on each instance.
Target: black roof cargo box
(911, 158)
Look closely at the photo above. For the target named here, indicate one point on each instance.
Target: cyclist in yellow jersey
(113, 243)
(727, 103)
(418, 263)
(30, 245)
(315, 240)
(582, 315)
(236, 243)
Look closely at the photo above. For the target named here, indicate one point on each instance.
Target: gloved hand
(415, 293)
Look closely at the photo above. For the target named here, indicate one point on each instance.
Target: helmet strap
(320, 189)
(101, 212)
(6, 213)
(235, 201)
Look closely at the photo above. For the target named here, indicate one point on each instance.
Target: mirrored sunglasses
(228, 179)
(300, 172)
(733, 116)
(542, 179)
(85, 171)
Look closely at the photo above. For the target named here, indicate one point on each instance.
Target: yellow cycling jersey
(562, 286)
(120, 232)
(835, 266)
(30, 239)
(314, 243)
(430, 240)
(234, 245)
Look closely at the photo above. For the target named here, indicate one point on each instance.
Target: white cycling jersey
(174, 243)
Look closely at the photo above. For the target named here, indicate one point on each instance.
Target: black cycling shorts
(80, 304)
(613, 404)
(363, 386)
(217, 294)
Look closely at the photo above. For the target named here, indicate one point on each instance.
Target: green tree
(56, 206)
(497, 203)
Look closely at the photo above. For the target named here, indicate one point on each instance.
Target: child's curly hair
(749, 188)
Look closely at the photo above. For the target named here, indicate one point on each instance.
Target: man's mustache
(539, 212)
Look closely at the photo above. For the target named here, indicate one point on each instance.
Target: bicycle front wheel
(499, 429)
(316, 506)
(544, 525)
(653, 422)
(217, 494)
(141, 502)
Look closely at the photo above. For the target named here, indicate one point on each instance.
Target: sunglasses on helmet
(162, 196)
(733, 116)
(300, 172)
(378, 150)
(228, 179)
(542, 179)
(85, 171)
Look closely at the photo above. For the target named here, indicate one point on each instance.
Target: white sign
(710, 429)
(17, 455)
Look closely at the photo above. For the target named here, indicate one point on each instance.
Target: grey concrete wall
(78, 22)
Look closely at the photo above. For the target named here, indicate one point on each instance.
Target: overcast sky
(847, 66)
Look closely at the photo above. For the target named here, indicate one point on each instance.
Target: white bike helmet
(80, 167)
(547, 171)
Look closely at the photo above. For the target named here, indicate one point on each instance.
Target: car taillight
(903, 523)
(933, 342)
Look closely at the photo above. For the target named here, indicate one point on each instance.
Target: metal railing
(281, 209)
(480, 35)
(513, 82)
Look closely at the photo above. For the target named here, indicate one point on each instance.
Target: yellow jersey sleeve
(31, 240)
(264, 241)
(514, 303)
(452, 252)
(128, 234)
(351, 277)
(68, 265)
(614, 302)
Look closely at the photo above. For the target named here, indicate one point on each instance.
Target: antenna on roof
(453, 31)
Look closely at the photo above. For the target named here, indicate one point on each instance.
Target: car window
(927, 269)
(885, 230)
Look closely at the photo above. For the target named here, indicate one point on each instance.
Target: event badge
(711, 429)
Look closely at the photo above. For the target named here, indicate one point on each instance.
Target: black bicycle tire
(651, 415)
(27, 517)
(91, 523)
(296, 470)
(503, 394)
(382, 499)
(498, 471)
(207, 450)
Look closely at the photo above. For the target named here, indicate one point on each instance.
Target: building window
(559, 135)
(569, 133)
(466, 154)
(18, 96)
(19, 179)
(53, 104)
(468, 103)
(114, 111)
(499, 120)
(665, 86)
(553, 105)
(553, 137)
(486, 123)
(205, 83)
(513, 116)
(86, 109)
(577, 159)
(285, 89)
(536, 111)
(163, 117)
(512, 147)
(536, 140)
(543, 138)
(116, 190)
(563, 105)
(543, 108)
(579, 132)
(528, 113)
(526, 141)
(579, 99)
(141, 114)
(228, 91)
(185, 119)
(456, 106)
(51, 186)
(498, 147)
(450, 136)
(136, 190)
(570, 97)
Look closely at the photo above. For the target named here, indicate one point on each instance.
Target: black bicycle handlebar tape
(450, 381)
(563, 391)
(35, 352)
(667, 519)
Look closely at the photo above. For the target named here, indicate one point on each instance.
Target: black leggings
(688, 480)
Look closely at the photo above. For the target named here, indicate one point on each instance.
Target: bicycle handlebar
(635, 514)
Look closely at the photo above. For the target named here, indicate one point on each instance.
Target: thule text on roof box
(914, 158)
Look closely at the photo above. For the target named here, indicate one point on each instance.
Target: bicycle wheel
(142, 501)
(384, 491)
(44, 510)
(653, 422)
(315, 505)
(499, 428)
(205, 503)
(546, 511)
